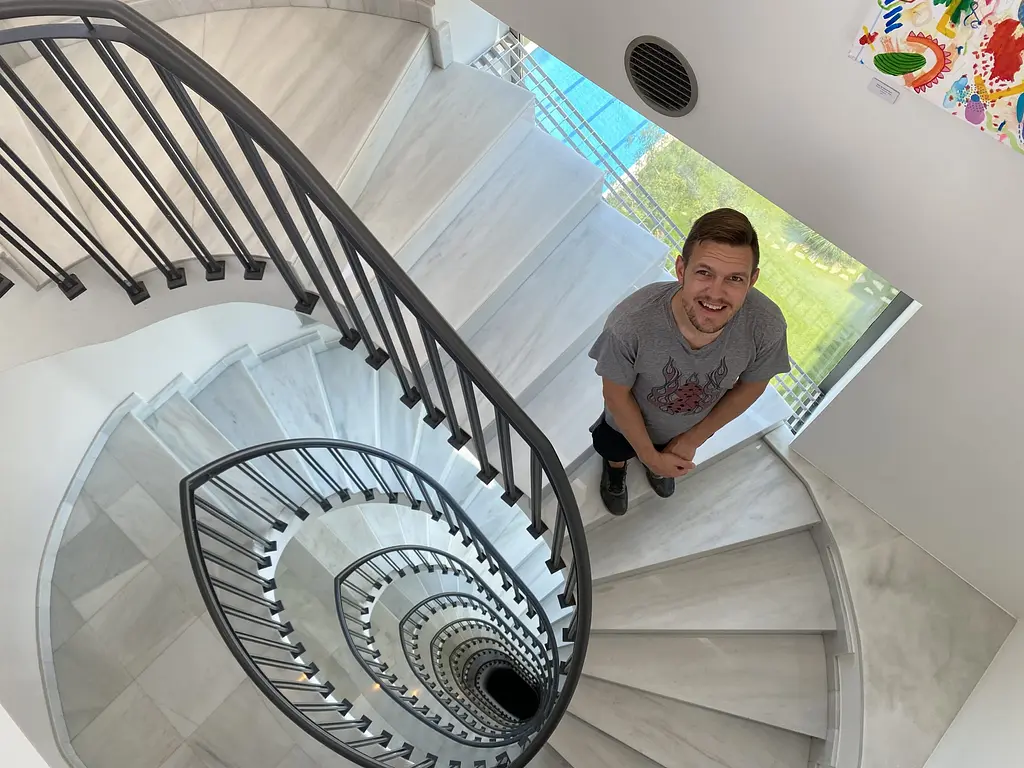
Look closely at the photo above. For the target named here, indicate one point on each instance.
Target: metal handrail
(182, 74)
(413, 657)
(383, 561)
(437, 643)
(259, 521)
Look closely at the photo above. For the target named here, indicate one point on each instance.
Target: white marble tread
(195, 442)
(235, 406)
(749, 496)
(679, 735)
(776, 679)
(533, 201)
(149, 462)
(462, 126)
(352, 394)
(557, 312)
(341, 113)
(582, 746)
(775, 585)
(548, 758)
(290, 383)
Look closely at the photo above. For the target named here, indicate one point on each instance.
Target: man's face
(715, 283)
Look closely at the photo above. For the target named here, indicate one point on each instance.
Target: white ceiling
(928, 434)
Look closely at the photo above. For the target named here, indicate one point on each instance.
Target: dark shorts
(612, 444)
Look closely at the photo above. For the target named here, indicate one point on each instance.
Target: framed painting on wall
(966, 56)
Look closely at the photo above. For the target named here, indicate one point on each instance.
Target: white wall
(15, 748)
(987, 733)
(474, 30)
(52, 409)
(929, 435)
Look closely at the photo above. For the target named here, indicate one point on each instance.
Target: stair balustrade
(240, 511)
(264, 212)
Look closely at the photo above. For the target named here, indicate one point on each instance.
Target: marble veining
(671, 732)
(776, 679)
(452, 123)
(330, 110)
(926, 636)
(775, 585)
(580, 744)
(746, 497)
(235, 406)
(529, 206)
(545, 323)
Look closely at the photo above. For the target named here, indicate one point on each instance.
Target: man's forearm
(732, 404)
(629, 420)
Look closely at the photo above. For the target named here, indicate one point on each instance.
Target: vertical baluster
(512, 493)
(555, 563)
(306, 300)
(68, 283)
(66, 220)
(347, 469)
(568, 596)
(406, 488)
(459, 437)
(58, 139)
(487, 472)
(433, 415)
(383, 484)
(73, 81)
(537, 526)
(355, 263)
(124, 76)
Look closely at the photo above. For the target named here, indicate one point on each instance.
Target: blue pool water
(621, 127)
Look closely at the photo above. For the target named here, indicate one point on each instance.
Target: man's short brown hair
(725, 226)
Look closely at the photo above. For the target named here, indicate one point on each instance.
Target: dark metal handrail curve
(193, 485)
(442, 684)
(516, 629)
(414, 658)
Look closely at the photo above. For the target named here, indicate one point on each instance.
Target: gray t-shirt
(675, 385)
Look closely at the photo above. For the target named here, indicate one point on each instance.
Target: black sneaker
(613, 489)
(663, 486)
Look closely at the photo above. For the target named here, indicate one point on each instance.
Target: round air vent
(661, 76)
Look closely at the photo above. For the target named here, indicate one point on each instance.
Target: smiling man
(680, 360)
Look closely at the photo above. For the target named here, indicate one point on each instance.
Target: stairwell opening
(510, 691)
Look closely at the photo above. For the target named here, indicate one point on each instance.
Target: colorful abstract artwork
(966, 56)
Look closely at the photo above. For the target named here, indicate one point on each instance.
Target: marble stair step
(678, 735)
(338, 84)
(548, 758)
(291, 385)
(775, 585)
(557, 312)
(459, 130)
(776, 679)
(195, 442)
(580, 745)
(397, 425)
(533, 570)
(351, 387)
(744, 498)
(520, 215)
(234, 404)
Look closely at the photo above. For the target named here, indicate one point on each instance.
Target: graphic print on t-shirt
(690, 396)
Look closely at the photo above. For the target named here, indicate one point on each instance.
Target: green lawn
(828, 297)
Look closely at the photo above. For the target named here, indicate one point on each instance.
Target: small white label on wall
(883, 90)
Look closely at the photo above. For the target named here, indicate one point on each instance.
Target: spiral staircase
(360, 548)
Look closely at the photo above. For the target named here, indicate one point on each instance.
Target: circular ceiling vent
(661, 76)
